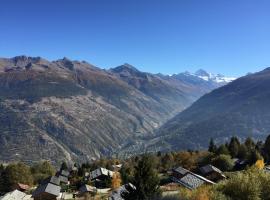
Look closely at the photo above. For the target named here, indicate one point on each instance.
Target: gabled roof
(190, 180)
(16, 195)
(47, 188)
(117, 194)
(181, 170)
(64, 173)
(100, 171)
(209, 168)
(52, 179)
(63, 179)
(87, 188)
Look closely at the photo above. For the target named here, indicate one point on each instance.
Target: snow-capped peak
(218, 78)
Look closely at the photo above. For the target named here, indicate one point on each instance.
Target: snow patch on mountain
(218, 78)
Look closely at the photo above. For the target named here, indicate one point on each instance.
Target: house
(118, 194)
(47, 191)
(16, 195)
(179, 172)
(21, 187)
(267, 169)
(240, 164)
(63, 176)
(87, 189)
(52, 179)
(101, 174)
(212, 173)
(189, 179)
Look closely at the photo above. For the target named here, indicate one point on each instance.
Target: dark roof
(181, 170)
(87, 188)
(47, 188)
(100, 172)
(63, 179)
(64, 173)
(52, 179)
(209, 168)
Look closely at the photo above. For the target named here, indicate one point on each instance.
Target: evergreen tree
(250, 144)
(266, 149)
(223, 162)
(64, 166)
(42, 170)
(234, 147)
(242, 152)
(145, 180)
(16, 173)
(222, 149)
(212, 146)
(253, 156)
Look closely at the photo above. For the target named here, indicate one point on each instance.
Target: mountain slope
(71, 110)
(240, 108)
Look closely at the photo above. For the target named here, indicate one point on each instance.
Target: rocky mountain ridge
(71, 110)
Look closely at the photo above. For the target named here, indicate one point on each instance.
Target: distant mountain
(71, 110)
(214, 78)
(240, 108)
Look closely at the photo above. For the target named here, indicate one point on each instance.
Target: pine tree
(145, 180)
(222, 149)
(242, 152)
(234, 147)
(64, 166)
(212, 146)
(266, 149)
(250, 144)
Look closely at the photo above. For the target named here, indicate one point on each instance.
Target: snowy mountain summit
(218, 78)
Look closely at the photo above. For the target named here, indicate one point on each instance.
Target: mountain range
(71, 110)
(240, 108)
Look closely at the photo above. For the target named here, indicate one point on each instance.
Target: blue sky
(168, 36)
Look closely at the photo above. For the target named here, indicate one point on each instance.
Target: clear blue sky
(168, 36)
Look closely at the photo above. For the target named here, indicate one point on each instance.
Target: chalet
(267, 169)
(52, 179)
(63, 176)
(189, 179)
(87, 189)
(118, 194)
(47, 191)
(179, 172)
(212, 173)
(101, 174)
(239, 164)
(16, 195)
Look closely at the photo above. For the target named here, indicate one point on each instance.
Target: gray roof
(87, 188)
(64, 173)
(209, 168)
(100, 171)
(63, 179)
(52, 179)
(47, 188)
(117, 194)
(181, 170)
(16, 195)
(191, 181)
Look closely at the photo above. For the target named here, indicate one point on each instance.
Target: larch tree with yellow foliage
(116, 180)
(260, 164)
